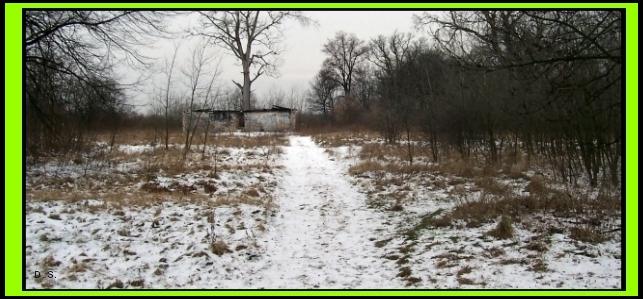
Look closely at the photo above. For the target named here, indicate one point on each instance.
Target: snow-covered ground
(540, 254)
(322, 236)
(319, 235)
(305, 223)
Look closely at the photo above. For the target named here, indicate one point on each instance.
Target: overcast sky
(301, 59)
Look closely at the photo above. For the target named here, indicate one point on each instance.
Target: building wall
(228, 125)
(268, 121)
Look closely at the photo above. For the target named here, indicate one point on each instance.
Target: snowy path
(320, 235)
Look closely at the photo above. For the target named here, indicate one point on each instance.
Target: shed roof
(274, 108)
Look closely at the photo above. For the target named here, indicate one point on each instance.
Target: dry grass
(118, 284)
(587, 234)
(538, 265)
(425, 222)
(387, 152)
(335, 139)
(54, 216)
(537, 185)
(143, 136)
(464, 270)
(154, 187)
(515, 167)
(49, 262)
(77, 267)
(117, 199)
(267, 140)
(536, 245)
(457, 166)
(241, 199)
(394, 168)
(404, 272)
(252, 192)
(464, 280)
(220, 248)
(137, 283)
(504, 229)
(562, 204)
(491, 185)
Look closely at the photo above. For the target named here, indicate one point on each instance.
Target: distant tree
(195, 71)
(365, 88)
(276, 96)
(165, 100)
(322, 91)
(296, 99)
(389, 52)
(346, 52)
(252, 37)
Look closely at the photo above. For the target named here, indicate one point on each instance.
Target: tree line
(488, 83)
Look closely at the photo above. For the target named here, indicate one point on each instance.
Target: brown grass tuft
(490, 185)
(137, 283)
(464, 280)
(464, 270)
(154, 187)
(587, 234)
(458, 166)
(504, 229)
(54, 216)
(536, 185)
(404, 272)
(219, 248)
(116, 284)
(252, 192)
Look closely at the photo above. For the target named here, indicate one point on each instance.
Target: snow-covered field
(282, 215)
(539, 254)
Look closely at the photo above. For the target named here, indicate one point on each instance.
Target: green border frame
(13, 145)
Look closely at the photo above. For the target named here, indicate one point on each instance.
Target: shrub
(504, 229)
(587, 234)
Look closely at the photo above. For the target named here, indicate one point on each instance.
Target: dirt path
(320, 235)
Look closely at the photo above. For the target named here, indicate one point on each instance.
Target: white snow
(317, 228)
(320, 236)
(135, 149)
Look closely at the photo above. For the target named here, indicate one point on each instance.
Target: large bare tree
(346, 52)
(253, 37)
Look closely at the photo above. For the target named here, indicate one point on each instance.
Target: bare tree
(346, 52)
(323, 89)
(194, 73)
(253, 37)
(211, 98)
(168, 71)
(561, 74)
(389, 52)
(296, 99)
(276, 96)
(75, 51)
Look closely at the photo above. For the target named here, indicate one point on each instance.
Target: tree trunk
(408, 144)
(245, 90)
(167, 126)
(205, 138)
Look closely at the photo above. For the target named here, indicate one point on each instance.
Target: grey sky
(301, 59)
